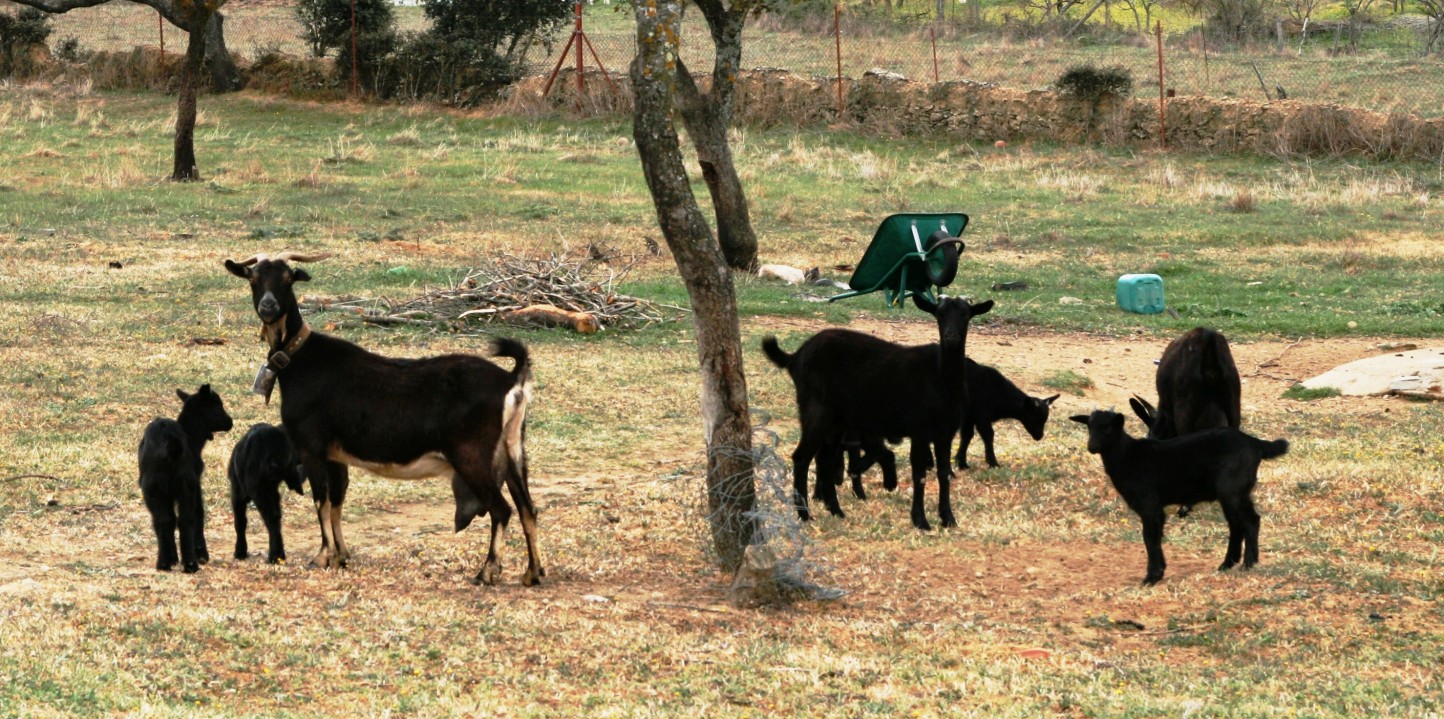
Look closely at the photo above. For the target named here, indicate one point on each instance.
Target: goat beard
(272, 333)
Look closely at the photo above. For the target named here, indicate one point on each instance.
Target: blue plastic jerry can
(1141, 293)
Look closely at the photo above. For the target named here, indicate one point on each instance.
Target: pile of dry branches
(551, 291)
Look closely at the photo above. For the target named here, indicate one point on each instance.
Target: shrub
(20, 33)
(326, 26)
(1094, 85)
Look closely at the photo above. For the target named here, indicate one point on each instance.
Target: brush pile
(552, 291)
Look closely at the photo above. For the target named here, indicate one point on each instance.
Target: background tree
(205, 46)
(224, 75)
(656, 75)
(326, 27)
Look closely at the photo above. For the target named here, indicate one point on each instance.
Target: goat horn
(253, 259)
(298, 257)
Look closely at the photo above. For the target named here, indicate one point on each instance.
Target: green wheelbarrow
(910, 254)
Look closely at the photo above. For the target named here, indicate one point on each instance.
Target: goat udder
(431, 464)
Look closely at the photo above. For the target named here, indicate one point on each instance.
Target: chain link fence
(1387, 67)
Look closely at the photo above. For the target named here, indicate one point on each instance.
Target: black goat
(1218, 464)
(170, 477)
(991, 398)
(1198, 387)
(457, 415)
(851, 384)
(261, 462)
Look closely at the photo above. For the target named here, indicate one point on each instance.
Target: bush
(1094, 85)
(326, 26)
(19, 34)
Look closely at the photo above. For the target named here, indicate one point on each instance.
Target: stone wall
(972, 111)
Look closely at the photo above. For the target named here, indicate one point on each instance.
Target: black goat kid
(261, 462)
(1213, 465)
(851, 384)
(453, 415)
(170, 477)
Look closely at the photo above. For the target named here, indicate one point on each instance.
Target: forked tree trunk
(707, 117)
(185, 116)
(731, 494)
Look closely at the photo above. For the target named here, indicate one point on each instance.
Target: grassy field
(117, 297)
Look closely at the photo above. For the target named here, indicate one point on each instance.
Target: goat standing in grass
(261, 462)
(170, 477)
(853, 384)
(1198, 388)
(1212, 465)
(457, 415)
(991, 398)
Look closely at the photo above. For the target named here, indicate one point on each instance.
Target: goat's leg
(918, 455)
(942, 449)
(269, 506)
(888, 462)
(163, 521)
(829, 475)
(517, 485)
(965, 438)
(340, 482)
(986, 432)
(191, 526)
(238, 512)
(1234, 516)
(801, 460)
(1153, 543)
(198, 528)
(1251, 522)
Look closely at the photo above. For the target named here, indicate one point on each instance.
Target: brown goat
(401, 418)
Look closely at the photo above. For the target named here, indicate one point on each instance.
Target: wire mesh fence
(1391, 70)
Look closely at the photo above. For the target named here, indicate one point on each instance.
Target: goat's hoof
(203, 558)
(890, 486)
(948, 522)
(804, 515)
(163, 567)
(532, 578)
(191, 568)
(489, 575)
(278, 559)
(242, 554)
(1151, 580)
(837, 512)
(922, 524)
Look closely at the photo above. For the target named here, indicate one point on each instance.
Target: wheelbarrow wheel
(942, 258)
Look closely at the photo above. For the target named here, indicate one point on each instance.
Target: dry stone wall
(887, 104)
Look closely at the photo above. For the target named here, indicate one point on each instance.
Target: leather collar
(282, 357)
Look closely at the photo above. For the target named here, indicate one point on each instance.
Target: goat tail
(1276, 448)
(507, 347)
(775, 352)
(511, 446)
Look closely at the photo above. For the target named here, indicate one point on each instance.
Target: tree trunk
(707, 117)
(185, 116)
(731, 494)
(225, 76)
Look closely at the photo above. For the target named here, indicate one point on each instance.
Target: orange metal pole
(1162, 112)
(933, 30)
(160, 23)
(578, 33)
(837, 33)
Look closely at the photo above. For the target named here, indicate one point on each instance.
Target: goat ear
(238, 269)
(1050, 400)
(1080, 418)
(300, 275)
(925, 304)
(182, 394)
(982, 307)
